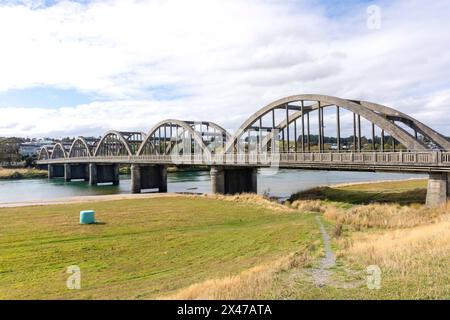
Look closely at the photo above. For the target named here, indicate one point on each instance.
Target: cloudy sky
(82, 67)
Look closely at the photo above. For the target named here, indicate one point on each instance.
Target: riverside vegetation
(22, 173)
(237, 247)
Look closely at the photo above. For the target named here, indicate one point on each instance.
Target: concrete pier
(67, 172)
(148, 177)
(105, 173)
(226, 180)
(55, 171)
(438, 189)
(79, 172)
(92, 174)
(75, 172)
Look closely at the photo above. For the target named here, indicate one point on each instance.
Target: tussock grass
(254, 200)
(389, 216)
(415, 262)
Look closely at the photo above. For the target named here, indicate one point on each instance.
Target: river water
(280, 184)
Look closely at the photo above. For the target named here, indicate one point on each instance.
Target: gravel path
(322, 273)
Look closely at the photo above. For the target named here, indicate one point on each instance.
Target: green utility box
(87, 217)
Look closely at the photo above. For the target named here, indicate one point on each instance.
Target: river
(282, 184)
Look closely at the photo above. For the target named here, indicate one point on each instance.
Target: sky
(71, 68)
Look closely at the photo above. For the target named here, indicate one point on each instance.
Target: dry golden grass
(310, 206)
(255, 200)
(389, 216)
(249, 284)
(416, 261)
(378, 215)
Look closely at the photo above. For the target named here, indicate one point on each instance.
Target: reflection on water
(282, 184)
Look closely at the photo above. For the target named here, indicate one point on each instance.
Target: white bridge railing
(423, 158)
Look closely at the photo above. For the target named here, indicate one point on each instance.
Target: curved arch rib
(397, 132)
(57, 150)
(413, 123)
(119, 136)
(194, 134)
(44, 153)
(79, 141)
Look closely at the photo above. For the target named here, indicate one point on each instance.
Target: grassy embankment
(230, 247)
(147, 248)
(410, 243)
(22, 173)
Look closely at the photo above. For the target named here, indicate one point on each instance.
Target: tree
(9, 151)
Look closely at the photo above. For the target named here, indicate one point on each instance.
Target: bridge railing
(423, 158)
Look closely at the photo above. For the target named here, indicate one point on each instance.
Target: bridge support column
(50, 171)
(55, 171)
(106, 173)
(79, 171)
(148, 177)
(92, 174)
(67, 172)
(233, 180)
(135, 178)
(438, 189)
(217, 180)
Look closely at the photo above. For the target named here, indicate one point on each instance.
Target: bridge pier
(55, 171)
(233, 180)
(103, 173)
(76, 172)
(438, 189)
(92, 174)
(148, 177)
(67, 172)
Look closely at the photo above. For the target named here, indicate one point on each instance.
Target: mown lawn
(142, 248)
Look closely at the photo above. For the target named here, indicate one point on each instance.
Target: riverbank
(16, 174)
(228, 247)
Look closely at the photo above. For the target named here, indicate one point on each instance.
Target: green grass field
(142, 248)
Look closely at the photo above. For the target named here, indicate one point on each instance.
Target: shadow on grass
(361, 197)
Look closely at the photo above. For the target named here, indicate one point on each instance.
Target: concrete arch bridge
(305, 131)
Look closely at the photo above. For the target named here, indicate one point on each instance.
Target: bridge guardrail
(432, 158)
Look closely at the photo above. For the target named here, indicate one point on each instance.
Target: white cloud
(220, 59)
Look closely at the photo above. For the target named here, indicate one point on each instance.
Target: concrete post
(116, 175)
(67, 172)
(87, 172)
(217, 180)
(92, 174)
(135, 178)
(437, 192)
(50, 171)
(162, 179)
(253, 180)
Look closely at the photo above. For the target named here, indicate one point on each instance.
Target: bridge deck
(426, 161)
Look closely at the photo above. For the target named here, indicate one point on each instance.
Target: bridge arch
(181, 135)
(44, 153)
(59, 151)
(119, 143)
(319, 102)
(393, 114)
(80, 148)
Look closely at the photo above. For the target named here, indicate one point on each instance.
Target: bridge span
(303, 132)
